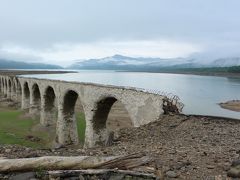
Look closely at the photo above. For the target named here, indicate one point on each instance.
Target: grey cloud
(39, 24)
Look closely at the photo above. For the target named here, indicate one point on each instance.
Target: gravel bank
(189, 147)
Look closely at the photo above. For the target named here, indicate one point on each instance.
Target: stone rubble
(183, 147)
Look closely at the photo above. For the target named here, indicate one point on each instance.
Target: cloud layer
(61, 31)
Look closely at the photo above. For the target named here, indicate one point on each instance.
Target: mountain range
(119, 62)
(9, 64)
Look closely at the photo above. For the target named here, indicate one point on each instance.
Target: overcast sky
(61, 31)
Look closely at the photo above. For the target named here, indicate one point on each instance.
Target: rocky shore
(183, 147)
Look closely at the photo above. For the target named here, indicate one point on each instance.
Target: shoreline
(228, 75)
(232, 105)
(42, 71)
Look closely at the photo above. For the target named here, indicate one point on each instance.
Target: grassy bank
(15, 128)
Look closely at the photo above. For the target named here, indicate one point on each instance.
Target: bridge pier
(93, 135)
(48, 116)
(14, 90)
(1, 85)
(35, 100)
(9, 88)
(66, 127)
(5, 87)
(97, 119)
(34, 109)
(18, 91)
(25, 97)
(13, 93)
(48, 108)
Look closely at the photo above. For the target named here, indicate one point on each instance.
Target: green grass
(14, 128)
(81, 126)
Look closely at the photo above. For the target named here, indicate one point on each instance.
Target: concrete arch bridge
(54, 101)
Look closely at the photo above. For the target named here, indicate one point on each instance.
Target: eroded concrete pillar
(94, 135)
(48, 114)
(18, 92)
(5, 88)
(12, 93)
(1, 85)
(9, 90)
(89, 134)
(66, 128)
(25, 100)
(34, 108)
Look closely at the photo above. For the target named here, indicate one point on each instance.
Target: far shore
(15, 72)
(62, 71)
(232, 75)
(220, 74)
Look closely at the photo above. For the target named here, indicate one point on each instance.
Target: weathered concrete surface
(55, 100)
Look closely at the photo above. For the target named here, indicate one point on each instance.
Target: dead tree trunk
(73, 163)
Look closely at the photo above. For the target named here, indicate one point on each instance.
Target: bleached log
(73, 163)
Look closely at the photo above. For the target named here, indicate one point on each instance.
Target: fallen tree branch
(73, 163)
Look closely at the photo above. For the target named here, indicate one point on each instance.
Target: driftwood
(73, 163)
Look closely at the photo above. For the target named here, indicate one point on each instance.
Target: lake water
(200, 94)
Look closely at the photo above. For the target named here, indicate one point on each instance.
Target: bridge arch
(68, 123)
(49, 113)
(110, 115)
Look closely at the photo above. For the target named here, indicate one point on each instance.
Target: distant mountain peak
(119, 56)
(11, 64)
(120, 62)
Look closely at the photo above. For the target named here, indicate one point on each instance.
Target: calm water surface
(200, 94)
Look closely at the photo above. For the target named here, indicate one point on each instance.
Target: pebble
(7, 150)
(236, 162)
(234, 172)
(171, 174)
(210, 167)
(23, 176)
